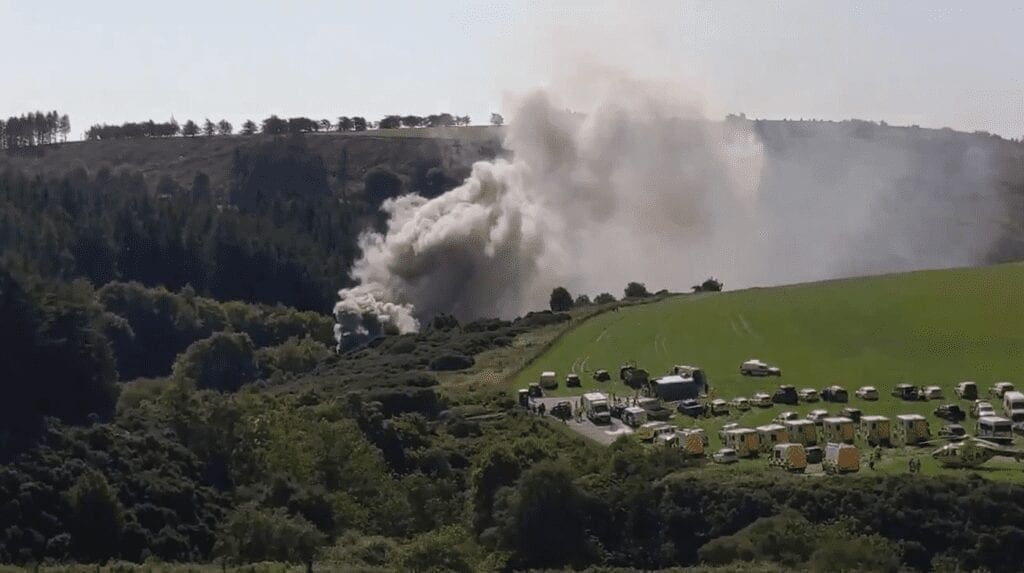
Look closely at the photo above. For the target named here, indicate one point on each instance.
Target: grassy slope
(934, 327)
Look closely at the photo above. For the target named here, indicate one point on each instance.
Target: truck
(911, 430)
(595, 407)
(634, 416)
(755, 367)
(788, 456)
(841, 458)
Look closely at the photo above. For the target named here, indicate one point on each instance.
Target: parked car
(817, 416)
(725, 456)
(999, 388)
(951, 412)
(808, 395)
(755, 367)
(786, 394)
(952, 432)
(835, 394)
(719, 407)
(982, 408)
(785, 417)
(562, 410)
(966, 390)
(602, 375)
(762, 400)
(851, 413)
(867, 393)
(690, 407)
(572, 381)
(932, 393)
(906, 392)
(815, 454)
(740, 403)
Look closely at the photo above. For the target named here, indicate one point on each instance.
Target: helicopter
(973, 452)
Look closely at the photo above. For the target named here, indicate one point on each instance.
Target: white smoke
(643, 188)
(639, 188)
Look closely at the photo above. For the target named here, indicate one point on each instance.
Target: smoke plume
(643, 187)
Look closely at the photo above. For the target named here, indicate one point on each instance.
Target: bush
(250, 534)
(561, 300)
(636, 290)
(224, 361)
(604, 298)
(446, 362)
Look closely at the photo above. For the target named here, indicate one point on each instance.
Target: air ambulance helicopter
(972, 452)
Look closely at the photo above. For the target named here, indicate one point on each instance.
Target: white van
(995, 429)
(1013, 406)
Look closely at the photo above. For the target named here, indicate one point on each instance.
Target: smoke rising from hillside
(644, 188)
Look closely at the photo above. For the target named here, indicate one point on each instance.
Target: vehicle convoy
(966, 390)
(875, 430)
(1013, 406)
(786, 394)
(994, 429)
(755, 367)
(972, 452)
(999, 388)
(911, 430)
(950, 412)
(595, 407)
(634, 416)
(572, 380)
(835, 394)
(788, 456)
(867, 393)
(548, 381)
(841, 458)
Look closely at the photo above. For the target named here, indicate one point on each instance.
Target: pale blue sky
(936, 64)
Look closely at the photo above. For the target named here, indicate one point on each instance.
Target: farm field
(924, 328)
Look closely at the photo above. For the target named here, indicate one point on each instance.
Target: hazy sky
(936, 64)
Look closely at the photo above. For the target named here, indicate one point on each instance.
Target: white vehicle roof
(933, 388)
(635, 410)
(993, 419)
(592, 396)
(726, 451)
(909, 417)
(837, 420)
(673, 379)
(718, 401)
(800, 422)
(1013, 394)
(869, 388)
(739, 399)
(771, 428)
(874, 419)
(547, 373)
(654, 424)
(762, 395)
(739, 431)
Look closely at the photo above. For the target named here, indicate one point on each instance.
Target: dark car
(602, 376)
(906, 392)
(835, 394)
(572, 381)
(851, 413)
(951, 412)
(617, 409)
(786, 394)
(535, 390)
(562, 410)
(692, 408)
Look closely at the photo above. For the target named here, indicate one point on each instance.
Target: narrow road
(602, 434)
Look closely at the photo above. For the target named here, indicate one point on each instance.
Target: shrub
(224, 361)
(446, 362)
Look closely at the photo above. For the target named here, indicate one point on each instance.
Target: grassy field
(925, 328)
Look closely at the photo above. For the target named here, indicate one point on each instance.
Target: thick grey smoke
(644, 188)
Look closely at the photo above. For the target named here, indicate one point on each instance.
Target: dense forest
(33, 129)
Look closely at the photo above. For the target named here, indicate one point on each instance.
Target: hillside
(409, 152)
(924, 328)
